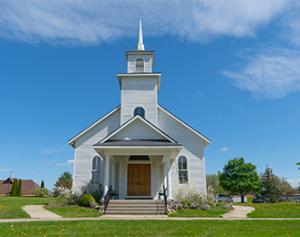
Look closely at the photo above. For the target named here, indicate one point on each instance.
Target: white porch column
(169, 180)
(106, 174)
(167, 176)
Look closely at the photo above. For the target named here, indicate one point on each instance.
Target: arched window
(96, 170)
(182, 170)
(139, 65)
(139, 111)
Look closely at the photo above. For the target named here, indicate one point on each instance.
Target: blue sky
(232, 73)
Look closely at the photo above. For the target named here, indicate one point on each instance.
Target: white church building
(139, 146)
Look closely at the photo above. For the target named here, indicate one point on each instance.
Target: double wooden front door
(139, 180)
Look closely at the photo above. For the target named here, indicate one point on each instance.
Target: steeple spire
(140, 45)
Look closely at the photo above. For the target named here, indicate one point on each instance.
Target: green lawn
(11, 207)
(273, 210)
(74, 211)
(154, 228)
(212, 212)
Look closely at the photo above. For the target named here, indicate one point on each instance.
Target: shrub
(190, 199)
(86, 200)
(73, 199)
(41, 192)
(59, 201)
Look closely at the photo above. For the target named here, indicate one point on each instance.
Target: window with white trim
(96, 170)
(182, 170)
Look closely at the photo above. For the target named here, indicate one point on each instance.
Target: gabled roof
(28, 187)
(131, 121)
(184, 124)
(70, 142)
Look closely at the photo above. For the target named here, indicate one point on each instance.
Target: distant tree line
(239, 177)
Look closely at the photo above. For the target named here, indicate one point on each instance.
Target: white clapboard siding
(193, 149)
(137, 92)
(84, 150)
(137, 130)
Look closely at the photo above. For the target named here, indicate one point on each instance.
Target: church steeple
(139, 85)
(140, 45)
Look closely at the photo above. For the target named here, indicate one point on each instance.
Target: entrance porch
(138, 172)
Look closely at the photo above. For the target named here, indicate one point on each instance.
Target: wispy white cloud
(90, 22)
(58, 163)
(4, 170)
(52, 150)
(272, 73)
(224, 149)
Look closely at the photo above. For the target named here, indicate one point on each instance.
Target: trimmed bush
(86, 200)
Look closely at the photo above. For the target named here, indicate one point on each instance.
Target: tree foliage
(63, 184)
(213, 182)
(274, 187)
(14, 188)
(239, 177)
(19, 188)
(42, 184)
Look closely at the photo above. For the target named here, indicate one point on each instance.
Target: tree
(239, 177)
(298, 163)
(273, 186)
(14, 188)
(19, 189)
(270, 185)
(63, 184)
(42, 184)
(285, 187)
(213, 182)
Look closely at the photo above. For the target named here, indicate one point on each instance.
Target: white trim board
(131, 121)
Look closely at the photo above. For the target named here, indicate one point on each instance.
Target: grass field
(212, 212)
(154, 228)
(11, 207)
(274, 210)
(74, 211)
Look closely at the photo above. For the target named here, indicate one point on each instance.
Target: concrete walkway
(137, 217)
(39, 212)
(238, 212)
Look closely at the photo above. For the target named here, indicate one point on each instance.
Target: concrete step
(136, 201)
(135, 207)
(133, 212)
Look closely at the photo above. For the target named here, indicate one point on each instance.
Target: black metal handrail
(107, 197)
(164, 194)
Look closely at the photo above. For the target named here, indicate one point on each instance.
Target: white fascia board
(131, 121)
(185, 125)
(92, 126)
(139, 75)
